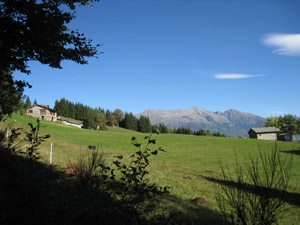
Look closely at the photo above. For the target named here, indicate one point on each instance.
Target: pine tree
(27, 103)
(163, 129)
(108, 114)
(155, 129)
(57, 107)
(129, 122)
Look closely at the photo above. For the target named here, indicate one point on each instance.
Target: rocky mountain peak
(231, 122)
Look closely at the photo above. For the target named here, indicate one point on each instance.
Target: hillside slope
(186, 167)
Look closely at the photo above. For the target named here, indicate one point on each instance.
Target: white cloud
(285, 44)
(233, 76)
(277, 113)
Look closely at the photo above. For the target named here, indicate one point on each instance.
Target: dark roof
(42, 106)
(261, 130)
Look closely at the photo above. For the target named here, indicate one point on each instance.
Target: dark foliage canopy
(10, 92)
(37, 30)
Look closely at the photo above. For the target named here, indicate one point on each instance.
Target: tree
(207, 133)
(100, 120)
(112, 120)
(287, 124)
(129, 122)
(71, 110)
(155, 129)
(10, 92)
(163, 129)
(37, 30)
(20, 108)
(35, 102)
(89, 121)
(144, 124)
(108, 114)
(27, 102)
(119, 115)
(272, 122)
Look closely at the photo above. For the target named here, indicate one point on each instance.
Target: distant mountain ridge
(231, 122)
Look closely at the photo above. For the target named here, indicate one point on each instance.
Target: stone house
(264, 133)
(43, 112)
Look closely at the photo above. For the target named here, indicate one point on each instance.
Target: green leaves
(34, 140)
(135, 186)
(153, 141)
(154, 152)
(36, 30)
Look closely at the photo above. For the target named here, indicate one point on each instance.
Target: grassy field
(186, 167)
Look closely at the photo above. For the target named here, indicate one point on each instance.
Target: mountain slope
(231, 122)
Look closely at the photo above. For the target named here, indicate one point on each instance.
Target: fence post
(50, 153)
(7, 134)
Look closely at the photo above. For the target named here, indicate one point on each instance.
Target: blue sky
(175, 54)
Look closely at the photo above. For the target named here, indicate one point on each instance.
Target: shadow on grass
(295, 152)
(289, 197)
(34, 193)
(191, 213)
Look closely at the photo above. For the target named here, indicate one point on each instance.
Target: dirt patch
(209, 171)
(187, 178)
(202, 201)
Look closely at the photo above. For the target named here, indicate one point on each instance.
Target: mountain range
(231, 122)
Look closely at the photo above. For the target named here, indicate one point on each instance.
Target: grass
(187, 167)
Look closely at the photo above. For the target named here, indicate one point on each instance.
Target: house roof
(42, 106)
(260, 130)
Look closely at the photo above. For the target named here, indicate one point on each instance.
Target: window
(42, 111)
(30, 111)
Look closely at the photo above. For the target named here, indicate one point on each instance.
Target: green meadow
(190, 165)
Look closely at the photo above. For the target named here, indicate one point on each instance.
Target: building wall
(41, 113)
(71, 124)
(267, 136)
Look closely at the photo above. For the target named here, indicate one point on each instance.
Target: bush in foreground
(256, 194)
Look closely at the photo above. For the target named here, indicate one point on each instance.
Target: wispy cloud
(285, 44)
(234, 76)
(277, 112)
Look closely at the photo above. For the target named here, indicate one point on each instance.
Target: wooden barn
(264, 133)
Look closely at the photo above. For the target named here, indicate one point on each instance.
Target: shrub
(134, 186)
(255, 197)
(87, 170)
(34, 140)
